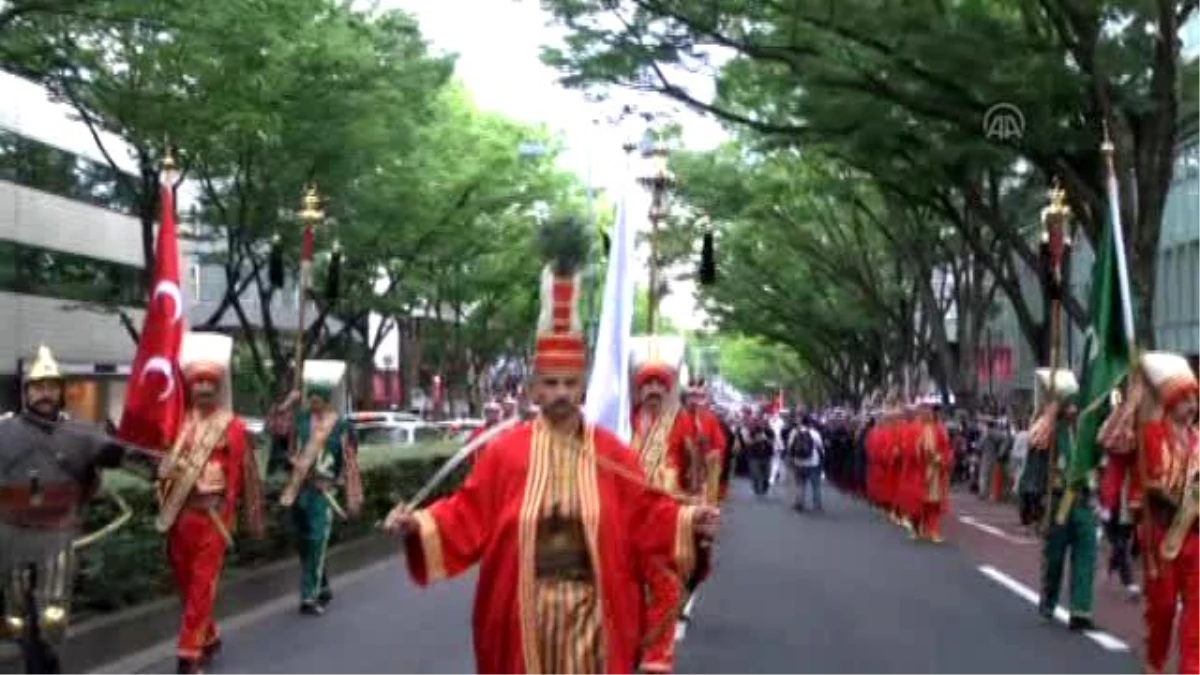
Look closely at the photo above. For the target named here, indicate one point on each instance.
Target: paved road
(838, 592)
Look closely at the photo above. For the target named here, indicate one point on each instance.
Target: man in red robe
(1168, 489)
(934, 456)
(209, 468)
(885, 457)
(562, 521)
(910, 481)
(665, 444)
(710, 440)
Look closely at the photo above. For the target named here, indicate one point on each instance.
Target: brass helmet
(43, 367)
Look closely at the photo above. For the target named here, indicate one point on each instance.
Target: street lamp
(658, 181)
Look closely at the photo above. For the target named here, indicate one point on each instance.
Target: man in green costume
(324, 458)
(1069, 519)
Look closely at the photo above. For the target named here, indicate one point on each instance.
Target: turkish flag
(154, 397)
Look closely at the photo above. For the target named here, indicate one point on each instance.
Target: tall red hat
(560, 346)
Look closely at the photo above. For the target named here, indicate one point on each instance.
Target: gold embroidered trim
(589, 503)
(526, 546)
(431, 546)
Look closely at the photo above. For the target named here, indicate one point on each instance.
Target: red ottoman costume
(1170, 452)
(663, 441)
(561, 524)
(208, 470)
(935, 455)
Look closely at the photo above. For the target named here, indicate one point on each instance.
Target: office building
(69, 246)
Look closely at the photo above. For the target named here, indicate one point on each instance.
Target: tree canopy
(893, 105)
(426, 197)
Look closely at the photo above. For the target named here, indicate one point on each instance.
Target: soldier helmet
(43, 367)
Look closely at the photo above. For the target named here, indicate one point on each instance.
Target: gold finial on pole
(310, 206)
(170, 169)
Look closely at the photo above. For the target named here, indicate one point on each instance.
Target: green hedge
(130, 567)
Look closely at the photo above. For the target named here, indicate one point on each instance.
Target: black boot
(211, 650)
(1080, 623)
(188, 666)
(311, 608)
(325, 596)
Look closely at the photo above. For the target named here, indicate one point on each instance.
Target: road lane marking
(995, 531)
(1105, 640)
(685, 618)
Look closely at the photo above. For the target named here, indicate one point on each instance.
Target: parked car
(382, 416)
(397, 433)
(458, 430)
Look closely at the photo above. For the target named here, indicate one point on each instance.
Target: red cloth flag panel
(154, 397)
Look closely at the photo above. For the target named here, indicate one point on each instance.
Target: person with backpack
(804, 451)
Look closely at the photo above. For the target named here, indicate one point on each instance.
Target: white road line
(1105, 640)
(995, 531)
(681, 626)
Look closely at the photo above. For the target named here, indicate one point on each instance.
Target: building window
(212, 283)
(32, 270)
(42, 167)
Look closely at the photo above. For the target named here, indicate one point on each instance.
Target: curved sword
(456, 460)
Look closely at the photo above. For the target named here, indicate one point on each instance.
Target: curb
(104, 639)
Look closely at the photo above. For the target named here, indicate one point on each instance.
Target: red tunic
(196, 546)
(910, 469)
(673, 469)
(885, 456)
(1169, 459)
(492, 519)
(711, 441)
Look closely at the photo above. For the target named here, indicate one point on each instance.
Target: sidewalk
(992, 535)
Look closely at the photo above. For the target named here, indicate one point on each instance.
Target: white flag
(608, 402)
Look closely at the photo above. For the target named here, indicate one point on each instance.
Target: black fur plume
(708, 260)
(275, 263)
(563, 244)
(334, 277)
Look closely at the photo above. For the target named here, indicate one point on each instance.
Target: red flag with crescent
(154, 395)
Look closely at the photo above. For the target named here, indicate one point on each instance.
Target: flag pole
(311, 215)
(1054, 219)
(1118, 242)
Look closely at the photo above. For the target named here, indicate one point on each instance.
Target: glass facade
(31, 270)
(43, 167)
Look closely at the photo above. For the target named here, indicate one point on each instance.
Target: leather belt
(562, 550)
(53, 507)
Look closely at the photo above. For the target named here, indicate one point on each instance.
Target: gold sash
(652, 449)
(312, 451)
(933, 464)
(189, 462)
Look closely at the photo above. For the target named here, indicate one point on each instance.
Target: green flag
(1107, 345)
